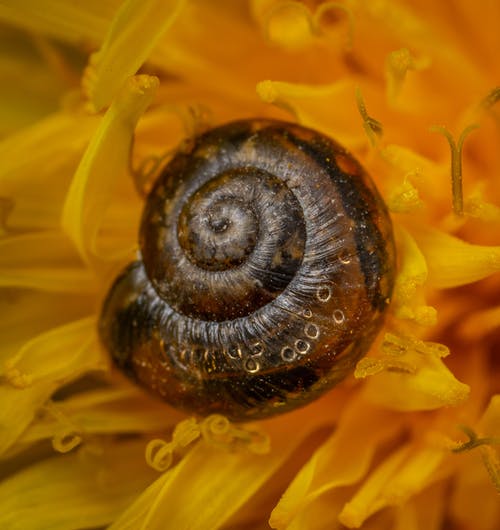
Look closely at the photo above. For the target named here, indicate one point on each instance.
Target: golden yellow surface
(93, 97)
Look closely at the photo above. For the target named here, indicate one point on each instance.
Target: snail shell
(267, 261)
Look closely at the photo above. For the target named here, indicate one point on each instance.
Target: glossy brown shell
(267, 262)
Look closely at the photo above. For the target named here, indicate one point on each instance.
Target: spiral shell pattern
(266, 264)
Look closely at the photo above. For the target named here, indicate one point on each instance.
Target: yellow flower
(412, 440)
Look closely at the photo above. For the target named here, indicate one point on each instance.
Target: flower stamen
(69, 434)
(65, 441)
(159, 453)
(289, 23)
(397, 65)
(218, 430)
(490, 100)
(372, 127)
(395, 348)
(474, 440)
(492, 464)
(488, 454)
(327, 7)
(456, 164)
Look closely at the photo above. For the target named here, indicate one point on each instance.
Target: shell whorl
(267, 261)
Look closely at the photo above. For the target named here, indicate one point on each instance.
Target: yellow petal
(477, 207)
(28, 89)
(69, 21)
(490, 451)
(453, 262)
(104, 162)
(193, 482)
(480, 324)
(411, 276)
(45, 261)
(40, 367)
(206, 469)
(26, 314)
(490, 421)
(126, 410)
(85, 489)
(474, 501)
(342, 460)
(54, 146)
(136, 28)
(311, 105)
(410, 162)
(400, 476)
(426, 510)
(136, 516)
